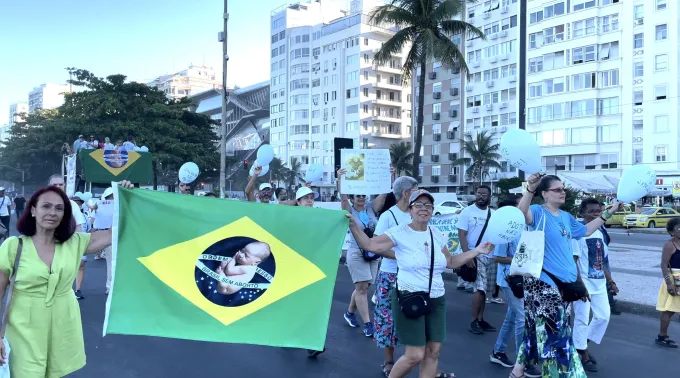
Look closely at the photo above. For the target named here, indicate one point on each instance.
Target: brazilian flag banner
(211, 269)
(104, 166)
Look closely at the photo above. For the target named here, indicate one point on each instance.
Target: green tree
(293, 171)
(483, 155)
(401, 157)
(278, 170)
(427, 26)
(112, 107)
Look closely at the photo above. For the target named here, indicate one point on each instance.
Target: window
(353, 92)
(660, 92)
(583, 54)
(536, 64)
(583, 4)
(607, 106)
(583, 27)
(299, 83)
(583, 135)
(299, 99)
(299, 53)
(660, 153)
(638, 69)
(661, 32)
(609, 51)
(554, 85)
(638, 98)
(436, 169)
(608, 2)
(661, 62)
(584, 162)
(535, 40)
(436, 149)
(661, 123)
(582, 108)
(509, 94)
(510, 22)
(352, 126)
(553, 10)
(353, 59)
(610, 23)
(609, 161)
(608, 133)
(583, 81)
(661, 4)
(353, 75)
(553, 35)
(536, 17)
(639, 14)
(638, 41)
(282, 49)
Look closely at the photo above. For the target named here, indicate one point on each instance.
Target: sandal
(441, 374)
(589, 366)
(385, 369)
(512, 375)
(665, 341)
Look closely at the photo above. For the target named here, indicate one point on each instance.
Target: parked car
(449, 207)
(651, 217)
(618, 218)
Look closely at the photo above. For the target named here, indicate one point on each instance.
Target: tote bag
(528, 259)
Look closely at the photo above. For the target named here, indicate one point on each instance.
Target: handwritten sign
(103, 218)
(448, 225)
(368, 171)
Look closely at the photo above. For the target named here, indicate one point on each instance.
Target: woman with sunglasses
(547, 337)
(362, 269)
(669, 294)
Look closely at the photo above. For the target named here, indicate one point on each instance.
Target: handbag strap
(12, 281)
(429, 287)
(488, 216)
(395, 218)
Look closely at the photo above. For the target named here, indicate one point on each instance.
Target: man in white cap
(6, 206)
(264, 194)
(58, 181)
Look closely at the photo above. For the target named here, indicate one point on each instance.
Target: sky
(141, 39)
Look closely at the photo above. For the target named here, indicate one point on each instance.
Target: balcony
(453, 113)
(385, 134)
(432, 75)
(434, 179)
(392, 118)
(436, 116)
(393, 70)
(387, 85)
(436, 95)
(453, 91)
(434, 158)
(436, 137)
(453, 178)
(451, 135)
(419, 179)
(386, 101)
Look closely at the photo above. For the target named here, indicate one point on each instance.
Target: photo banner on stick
(448, 225)
(367, 171)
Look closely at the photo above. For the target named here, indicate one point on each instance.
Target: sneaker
(476, 328)
(314, 353)
(79, 295)
(368, 329)
(497, 300)
(487, 301)
(486, 327)
(501, 359)
(351, 319)
(532, 371)
(590, 366)
(460, 287)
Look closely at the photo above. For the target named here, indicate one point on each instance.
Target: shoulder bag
(8, 303)
(368, 256)
(528, 258)
(465, 272)
(570, 291)
(516, 283)
(416, 304)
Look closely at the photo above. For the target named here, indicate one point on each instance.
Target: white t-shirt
(5, 203)
(592, 254)
(386, 222)
(472, 220)
(412, 249)
(77, 214)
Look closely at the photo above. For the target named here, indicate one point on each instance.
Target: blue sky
(141, 39)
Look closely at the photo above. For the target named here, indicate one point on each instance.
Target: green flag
(221, 270)
(105, 166)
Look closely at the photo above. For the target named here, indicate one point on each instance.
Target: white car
(449, 207)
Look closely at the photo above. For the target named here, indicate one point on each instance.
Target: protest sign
(448, 225)
(367, 171)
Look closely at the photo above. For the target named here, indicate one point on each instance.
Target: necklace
(550, 211)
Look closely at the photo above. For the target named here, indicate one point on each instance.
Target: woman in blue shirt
(547, 338)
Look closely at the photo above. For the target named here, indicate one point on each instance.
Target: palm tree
(483, 155)
(278, 170)
(293, 171)
(401, 156)
(427, 25)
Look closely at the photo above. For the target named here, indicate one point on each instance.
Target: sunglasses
(360, 196)
(557, 190)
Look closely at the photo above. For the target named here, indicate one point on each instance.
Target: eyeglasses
(557, 190)
(420, 205)
(482, 194)
(360, 196)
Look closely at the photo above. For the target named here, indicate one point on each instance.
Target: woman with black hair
(547, 306)
(45, 269)
(669, 293)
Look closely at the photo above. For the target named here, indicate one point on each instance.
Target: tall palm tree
(293, 171)
(483, 155)
(401, 156)
(278, 170)
(427, 26)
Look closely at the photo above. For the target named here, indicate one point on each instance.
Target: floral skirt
(547, 337)
(383, 322)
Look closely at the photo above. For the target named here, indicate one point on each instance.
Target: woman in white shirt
(413, 246)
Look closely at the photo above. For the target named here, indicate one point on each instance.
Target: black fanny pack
(416, 304)
(369, 256)
(516, 284)
(570, 291)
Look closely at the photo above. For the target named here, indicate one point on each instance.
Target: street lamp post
(23, 176)
(223, 128)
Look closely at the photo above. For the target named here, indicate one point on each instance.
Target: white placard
(367, 171)
(103, 218)
(71, 175)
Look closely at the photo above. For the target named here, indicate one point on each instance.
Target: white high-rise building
(188, 82)
(47, 96)
(602, 88)
(324, 83)
(15, 111)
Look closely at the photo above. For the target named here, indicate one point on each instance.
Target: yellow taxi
(651, 217)
(618, 218)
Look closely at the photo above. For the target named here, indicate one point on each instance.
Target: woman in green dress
(44, 330)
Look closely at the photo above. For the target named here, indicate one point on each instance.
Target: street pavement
(622, 236)
(628, 348)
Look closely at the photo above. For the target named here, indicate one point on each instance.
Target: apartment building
(324, 83)
(15, 112)
(602, 89)
(188, 82)
(47, 96)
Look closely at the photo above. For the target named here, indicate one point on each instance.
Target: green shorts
(420, 331)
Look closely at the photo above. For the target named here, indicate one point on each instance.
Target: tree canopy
(115, 108)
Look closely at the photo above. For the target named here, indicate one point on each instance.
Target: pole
(223, 133)
(23, 187)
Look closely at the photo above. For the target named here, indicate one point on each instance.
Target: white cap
(107, 192)
(265, 185)
(303, 191)
(2, 188)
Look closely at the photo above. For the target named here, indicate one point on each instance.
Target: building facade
(188, 82)
(46, 96)
(324, 84)
(15, 112)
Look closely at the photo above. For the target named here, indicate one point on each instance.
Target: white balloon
(265, 154)
(79, 195)
(144, 149)
(314, 173)
(91, 203)
(188, 172)
(520, 149)
(86, 196)
(505, 226)
(265, 169)
(635, 183)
